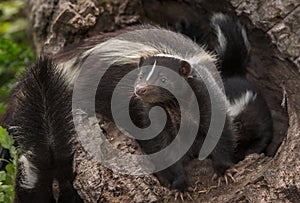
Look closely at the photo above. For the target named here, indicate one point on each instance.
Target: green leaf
(10, 8)
(5, 139)
(11, 171)
(2, 175)
(6, 188)
(17, 26)
(1, 197)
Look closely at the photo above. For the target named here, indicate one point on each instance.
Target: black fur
(108, 83)
(42, 124)
(253, 125)
(43, 128)
(222, 155)
(193, 30)
(235, 55)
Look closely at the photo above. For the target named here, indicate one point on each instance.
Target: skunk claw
(228, 174)
(182, 195)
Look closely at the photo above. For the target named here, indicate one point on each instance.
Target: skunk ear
(185, 68)
(142, 59)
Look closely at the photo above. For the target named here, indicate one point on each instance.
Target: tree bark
(273, 30)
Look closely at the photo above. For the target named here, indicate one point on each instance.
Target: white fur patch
(151, 72)
(119, 51)
(246, 41)
(220, 16)
(221, 39)
(70, 72)
(29, 173)
(239, 104)
(169, 55)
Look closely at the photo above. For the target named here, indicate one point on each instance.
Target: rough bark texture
(273, 30)
(279, 19)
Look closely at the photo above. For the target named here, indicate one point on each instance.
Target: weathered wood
(96, 183)
(56, 23)
(279, 19)
(273, 29)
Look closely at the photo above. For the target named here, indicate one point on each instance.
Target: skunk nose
(141, 90)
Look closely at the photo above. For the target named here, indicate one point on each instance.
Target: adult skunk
(248, 109)
(121, 55)
(41, 123)
(148, 89)
(124, 53)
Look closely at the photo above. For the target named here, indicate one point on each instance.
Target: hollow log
(273, 29)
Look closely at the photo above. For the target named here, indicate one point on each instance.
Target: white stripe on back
(239, 104)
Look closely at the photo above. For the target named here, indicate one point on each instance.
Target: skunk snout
(141, 89)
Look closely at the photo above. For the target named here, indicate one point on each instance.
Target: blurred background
(15, 50)
(15, 54)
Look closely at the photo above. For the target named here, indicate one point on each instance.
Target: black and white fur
(248, 109)
(42, 126)
(148, 90)
(40, 118)
(124, 53)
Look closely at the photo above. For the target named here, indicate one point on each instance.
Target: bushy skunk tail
(43, 128)
(233, 45)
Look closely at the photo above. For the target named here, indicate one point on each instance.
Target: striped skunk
(41, 112)
(42, 126)
(148, 90)
(248, 109)
(38, 115)
(124, 54)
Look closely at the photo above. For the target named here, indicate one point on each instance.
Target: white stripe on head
(152, 71)
(29, 175)
(239, 104)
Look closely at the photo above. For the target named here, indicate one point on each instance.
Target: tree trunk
(273, 29)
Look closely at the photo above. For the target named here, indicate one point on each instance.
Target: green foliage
(15, 52)
(12, 23)
(7, 178)
(15, 55)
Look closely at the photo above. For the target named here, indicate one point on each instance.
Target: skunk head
(153, 76)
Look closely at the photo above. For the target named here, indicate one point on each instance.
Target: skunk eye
(185, 68)
(163, 79)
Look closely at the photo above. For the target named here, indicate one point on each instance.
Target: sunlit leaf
(5, 139)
